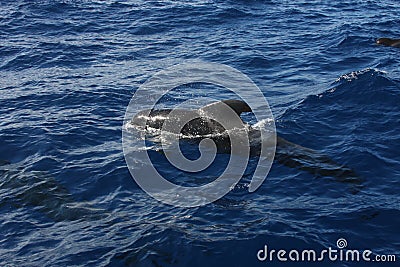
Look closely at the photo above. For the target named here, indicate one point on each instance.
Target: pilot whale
(389, 42)
(287, 153)
(40, 191)
(201, 125)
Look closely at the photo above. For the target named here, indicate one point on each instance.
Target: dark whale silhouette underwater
(287, 153)
(40, 191)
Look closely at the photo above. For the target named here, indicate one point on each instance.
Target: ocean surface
(68, 70)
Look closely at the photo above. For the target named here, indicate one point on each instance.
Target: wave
(355, 118)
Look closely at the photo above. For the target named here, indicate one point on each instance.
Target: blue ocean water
(68, 70)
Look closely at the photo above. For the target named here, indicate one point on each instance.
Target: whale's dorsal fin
(238, 106)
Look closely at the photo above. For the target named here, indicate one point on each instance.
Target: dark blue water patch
(8, 51)
(258, 62)
(182, 178)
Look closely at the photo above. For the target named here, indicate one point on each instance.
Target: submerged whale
(40, 191)
(389, 42)
(287, 153)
